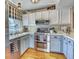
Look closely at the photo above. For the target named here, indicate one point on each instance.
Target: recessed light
(35, 1)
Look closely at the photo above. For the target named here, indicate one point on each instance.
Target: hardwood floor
(34, 54)
(7, 53)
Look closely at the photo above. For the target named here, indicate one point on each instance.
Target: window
(12, 26)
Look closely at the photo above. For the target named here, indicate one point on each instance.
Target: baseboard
(41, 51)
(59, 53)
(24, 52)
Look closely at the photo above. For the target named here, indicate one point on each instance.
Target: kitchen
(45, 26)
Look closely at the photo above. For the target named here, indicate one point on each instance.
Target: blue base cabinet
(55, 43)
(65, 46)
(62, 44)
(68, 48)
(24, 43)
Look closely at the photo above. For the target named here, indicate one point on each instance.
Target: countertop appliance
(42, 22)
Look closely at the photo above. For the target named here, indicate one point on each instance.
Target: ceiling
(28, 5)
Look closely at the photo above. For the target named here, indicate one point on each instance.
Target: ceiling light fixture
(19, 5)
(35, 1)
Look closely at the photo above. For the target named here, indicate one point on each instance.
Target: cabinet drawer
(55, 37)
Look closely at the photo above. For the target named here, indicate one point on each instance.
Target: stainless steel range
(42, 41)
(43, 30)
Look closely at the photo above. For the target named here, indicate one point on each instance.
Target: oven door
(42, 45)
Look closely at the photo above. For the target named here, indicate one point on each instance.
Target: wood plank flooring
(34, 54)
(7, 53)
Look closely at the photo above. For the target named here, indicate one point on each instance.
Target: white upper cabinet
(25, 20)
(38, 16)
(65, 16)
(44, 15)
(31, 19)
(53, 17)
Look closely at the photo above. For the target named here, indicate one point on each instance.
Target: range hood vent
(42, 22)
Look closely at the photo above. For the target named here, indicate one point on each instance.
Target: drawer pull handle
(55, 37)
(69, 41)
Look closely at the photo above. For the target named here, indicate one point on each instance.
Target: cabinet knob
(69, 41)
(55, 36)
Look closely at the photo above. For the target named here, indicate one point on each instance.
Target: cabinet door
(65, 46)
(31, 41)
(24, 43)
(53, 16)
(65, 16)
(26, 38)
(44, 15)
(22, 48)
(55, 45)
(32, 19)
(70, 49)
(25, 20)
(38, 16)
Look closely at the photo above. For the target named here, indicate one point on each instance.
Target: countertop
(71, 36)
(19, 35)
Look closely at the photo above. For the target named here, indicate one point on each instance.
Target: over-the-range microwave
(42, 22)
